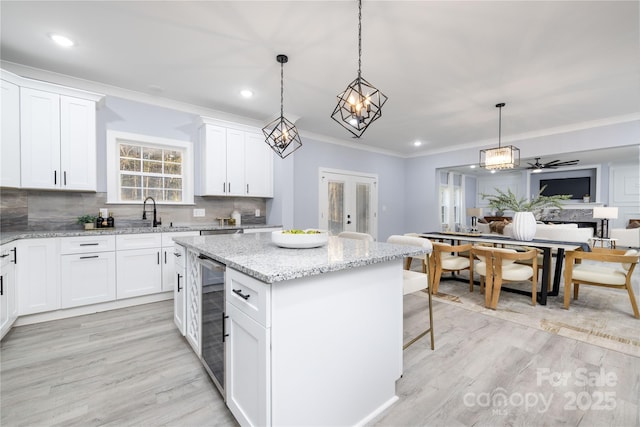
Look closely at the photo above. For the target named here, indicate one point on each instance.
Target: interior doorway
(348, 202)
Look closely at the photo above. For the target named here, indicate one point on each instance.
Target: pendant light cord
(282, 89)
(499, 127)
(359, 37)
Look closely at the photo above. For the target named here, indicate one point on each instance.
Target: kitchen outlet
(257, 212)
(198, 212)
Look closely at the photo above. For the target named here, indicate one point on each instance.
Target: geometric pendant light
(506, 157)
(281, 135)
(360, 104)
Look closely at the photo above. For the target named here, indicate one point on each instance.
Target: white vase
(524, 226)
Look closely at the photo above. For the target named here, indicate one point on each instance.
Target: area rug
(601, 316)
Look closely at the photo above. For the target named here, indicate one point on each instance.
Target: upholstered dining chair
(414, 281)
(451, 258)
(423, 259)
(610, 268)
(356, 235)
(498, 265)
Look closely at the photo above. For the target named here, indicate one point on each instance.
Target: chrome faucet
(144, 211)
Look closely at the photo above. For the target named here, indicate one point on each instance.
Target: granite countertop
(257, 256)
(9, 236)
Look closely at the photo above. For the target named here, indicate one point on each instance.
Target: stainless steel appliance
(222, 231)
(212, 276)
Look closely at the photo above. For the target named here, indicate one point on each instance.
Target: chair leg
(576, 288)
(436, 278)
(407, 263)
(497, 285)
(632, 297)
(567, 292)
(433, 345)
(488, 290)
(534, 286)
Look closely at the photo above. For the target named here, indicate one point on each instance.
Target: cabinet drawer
(85, 244)
(250, 296)
(138, 241)
(167, 238)
(179, 255)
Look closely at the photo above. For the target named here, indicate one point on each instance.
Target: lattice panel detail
(193, 297)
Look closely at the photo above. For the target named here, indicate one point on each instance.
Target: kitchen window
(141, 166)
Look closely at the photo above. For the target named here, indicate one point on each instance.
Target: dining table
(547, 246)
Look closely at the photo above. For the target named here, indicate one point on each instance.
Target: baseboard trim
(90, 309)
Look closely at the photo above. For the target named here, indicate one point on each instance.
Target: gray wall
(391, 182)
(420, 172)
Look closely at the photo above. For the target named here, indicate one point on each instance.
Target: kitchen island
(314, 335)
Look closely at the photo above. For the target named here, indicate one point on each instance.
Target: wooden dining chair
(451, 258)
(609, 268)
(414, 281)
(499, 265)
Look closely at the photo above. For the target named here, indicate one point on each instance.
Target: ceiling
(558, 65)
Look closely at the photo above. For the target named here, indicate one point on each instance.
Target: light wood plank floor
(131, 367)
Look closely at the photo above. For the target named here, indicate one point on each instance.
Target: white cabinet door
(10, 142)
(77, 143)
(179, 291)
(139, 272)
(211, 173)
(168, 269)
(8, 307)
(87, 278)
(38, 275)
(235, 163)
(258, 166)
(40, 139)
(247, 359)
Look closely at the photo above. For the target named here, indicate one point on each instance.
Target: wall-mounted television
(576, 187)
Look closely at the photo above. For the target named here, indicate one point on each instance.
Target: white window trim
(113, 183)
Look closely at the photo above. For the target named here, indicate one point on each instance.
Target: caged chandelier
(361, 103)
(282, 135)
(506, 157)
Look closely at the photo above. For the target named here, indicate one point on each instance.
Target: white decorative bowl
(299, 241)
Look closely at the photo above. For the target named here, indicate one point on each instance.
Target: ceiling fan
(554, 164)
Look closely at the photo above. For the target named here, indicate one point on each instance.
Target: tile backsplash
(39, 210)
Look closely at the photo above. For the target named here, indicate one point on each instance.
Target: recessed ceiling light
(417, 143)
(62, 40)
(472, 166)
(493, 171)
(246, 93)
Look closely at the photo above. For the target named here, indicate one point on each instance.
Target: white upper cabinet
(58, 147)
(48, 135)
(10, 142)
(78, 143)
(258, 166)
(233, 162)
(40, 145)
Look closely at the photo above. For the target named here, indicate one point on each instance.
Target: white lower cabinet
(139, 272)
(168, 256)
(139, 266)
(247, 370)
(88, 270)
(87, 278)
(38, 275)
(8, 306)
(180, 290)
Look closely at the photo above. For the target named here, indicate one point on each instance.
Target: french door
(348, 202)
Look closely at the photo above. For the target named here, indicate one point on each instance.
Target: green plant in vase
(525, 211)
(87, 220)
